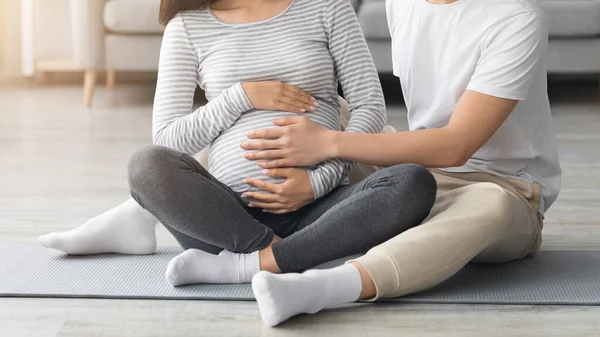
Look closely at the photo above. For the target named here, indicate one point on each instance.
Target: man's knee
(497, 201)
(512, 236)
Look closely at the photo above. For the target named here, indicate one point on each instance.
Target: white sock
(195, 266)
(281, 297)
(125, 229)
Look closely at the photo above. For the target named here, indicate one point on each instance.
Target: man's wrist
(333, 144)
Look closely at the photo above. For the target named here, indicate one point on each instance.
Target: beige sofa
(112, 36)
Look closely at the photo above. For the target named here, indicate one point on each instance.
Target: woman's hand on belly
(274, 95)
(291, 195)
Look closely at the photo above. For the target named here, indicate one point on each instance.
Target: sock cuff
(249, 265)
(345, 284)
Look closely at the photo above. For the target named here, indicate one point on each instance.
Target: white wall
(1, 36)
(52, 33)
(11, 38)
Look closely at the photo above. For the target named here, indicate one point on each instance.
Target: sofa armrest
(88, 33)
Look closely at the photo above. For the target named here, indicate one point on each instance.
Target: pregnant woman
(251, 58)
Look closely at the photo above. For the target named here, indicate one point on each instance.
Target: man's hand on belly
(291, 195)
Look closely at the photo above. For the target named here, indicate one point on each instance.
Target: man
(474, 79)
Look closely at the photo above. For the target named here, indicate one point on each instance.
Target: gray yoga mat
(560, 278)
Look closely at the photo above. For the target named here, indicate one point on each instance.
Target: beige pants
(476, 218)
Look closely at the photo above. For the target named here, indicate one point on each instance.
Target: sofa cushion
(373, 20)
(572, 17)
(132, 16)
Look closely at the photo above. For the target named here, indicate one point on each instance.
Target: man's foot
(125, 229)
(281, 297)
(195, 266)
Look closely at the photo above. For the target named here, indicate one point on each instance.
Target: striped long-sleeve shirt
(312, 44)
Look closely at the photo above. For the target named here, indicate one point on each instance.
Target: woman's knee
(407, 194)
(147, 165)
(411, 181)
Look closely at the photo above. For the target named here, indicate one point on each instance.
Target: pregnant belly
(226, 158)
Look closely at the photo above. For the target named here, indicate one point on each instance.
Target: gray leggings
(203, 213)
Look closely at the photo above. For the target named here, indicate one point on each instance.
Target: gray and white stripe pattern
(312, 45)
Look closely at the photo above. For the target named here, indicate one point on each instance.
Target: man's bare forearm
(430, 148)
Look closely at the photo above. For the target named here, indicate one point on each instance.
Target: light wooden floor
(61, 164)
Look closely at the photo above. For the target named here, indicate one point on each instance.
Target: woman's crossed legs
(208, 218)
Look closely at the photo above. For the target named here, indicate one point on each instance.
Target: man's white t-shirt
(495, 47)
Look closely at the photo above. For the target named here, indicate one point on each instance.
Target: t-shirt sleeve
(390, 14)
(511, 54)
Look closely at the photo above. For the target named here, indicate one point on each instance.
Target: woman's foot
(195, 266)
(125, 229)
(281, 297)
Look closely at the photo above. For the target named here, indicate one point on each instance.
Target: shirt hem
(513, 95)
(542, 206)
